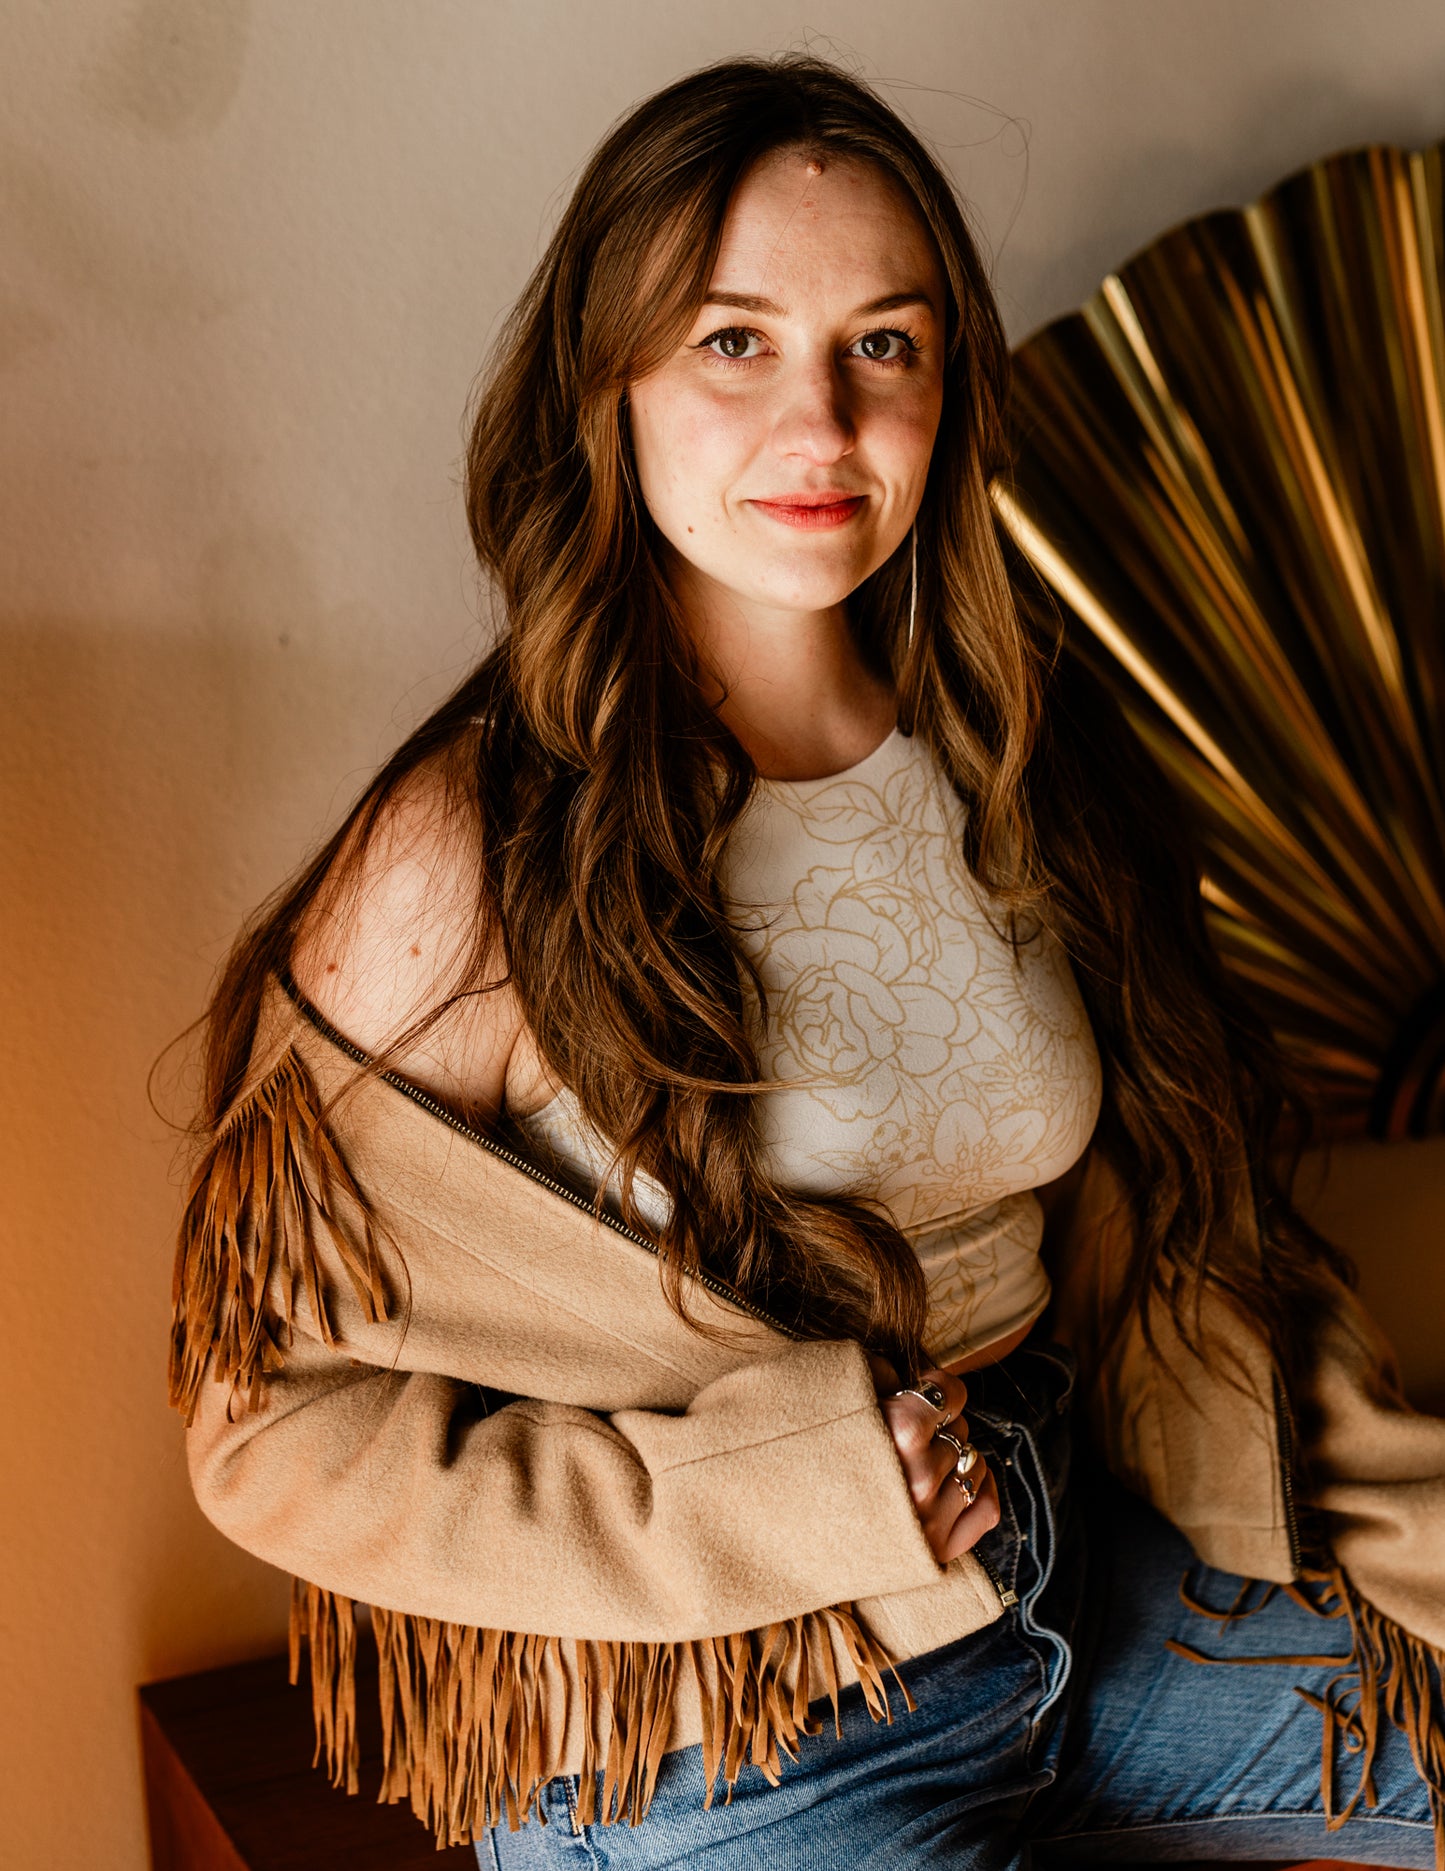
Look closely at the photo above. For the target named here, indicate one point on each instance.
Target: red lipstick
(812, 512)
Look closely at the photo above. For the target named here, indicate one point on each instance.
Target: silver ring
(965, 1451)
(933, 1395)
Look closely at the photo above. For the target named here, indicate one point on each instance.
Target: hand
(949, 1525)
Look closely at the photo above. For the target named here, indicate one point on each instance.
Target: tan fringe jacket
(654, 1538)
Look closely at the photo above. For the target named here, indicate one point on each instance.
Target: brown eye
(733, 344)
(883, 347)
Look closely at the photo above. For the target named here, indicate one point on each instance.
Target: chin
(817, 589)
(810, 601)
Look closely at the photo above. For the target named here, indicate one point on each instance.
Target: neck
(792, 686)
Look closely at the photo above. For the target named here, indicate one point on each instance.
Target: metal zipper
(438, 1110)
(1284, 1430)
(1005, 1597)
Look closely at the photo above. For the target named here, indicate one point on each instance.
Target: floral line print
(914, 1055)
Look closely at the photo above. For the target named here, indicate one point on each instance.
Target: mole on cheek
(332, 966)
(415, 948)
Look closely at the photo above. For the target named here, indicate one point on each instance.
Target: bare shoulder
(390, 937)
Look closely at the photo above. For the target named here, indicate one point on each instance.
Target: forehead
(808, 224)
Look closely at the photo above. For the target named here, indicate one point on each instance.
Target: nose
(814, 422)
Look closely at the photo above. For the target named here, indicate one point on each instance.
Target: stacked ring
(968, 1459)
(965, 1451)
(968, 1489)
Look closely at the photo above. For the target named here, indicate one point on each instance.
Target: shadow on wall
(124, 868)
(173, 68)
(157, 783)
(155, 786)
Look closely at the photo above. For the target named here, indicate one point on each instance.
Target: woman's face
(783, 448)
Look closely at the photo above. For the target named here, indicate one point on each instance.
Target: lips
(811, 512)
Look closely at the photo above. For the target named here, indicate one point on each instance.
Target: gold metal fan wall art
(1231, 478)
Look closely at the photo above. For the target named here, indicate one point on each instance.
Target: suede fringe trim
(1388, 1673)
(473, 1721)
(270, 1188)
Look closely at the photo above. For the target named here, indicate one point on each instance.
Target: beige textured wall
(252, 252)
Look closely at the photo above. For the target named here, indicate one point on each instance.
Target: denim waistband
(1018, 1413)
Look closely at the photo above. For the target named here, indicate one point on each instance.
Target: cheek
(689, 445)
(903, 433)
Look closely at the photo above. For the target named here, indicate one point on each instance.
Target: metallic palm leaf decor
(1231, 480)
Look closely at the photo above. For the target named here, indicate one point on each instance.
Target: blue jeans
(1064, 1732)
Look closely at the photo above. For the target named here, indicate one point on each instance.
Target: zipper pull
(1005, 1597)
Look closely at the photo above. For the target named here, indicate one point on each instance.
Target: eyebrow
(890, 302)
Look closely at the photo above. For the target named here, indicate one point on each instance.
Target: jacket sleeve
(356, 1287)
(776, 1491)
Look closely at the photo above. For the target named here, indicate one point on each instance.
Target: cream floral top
(917, 1059)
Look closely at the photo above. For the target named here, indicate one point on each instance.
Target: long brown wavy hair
(605, 787)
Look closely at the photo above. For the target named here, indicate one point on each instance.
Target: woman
(658, 1330)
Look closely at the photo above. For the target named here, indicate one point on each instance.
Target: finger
(918, 1443)
(954, 1389)
(948, 1499)
(972, 1523)
(957, 1527)
(924, 1455)
(942, 1515)
(912, 1420)
(941, 1392)
(928, 1469)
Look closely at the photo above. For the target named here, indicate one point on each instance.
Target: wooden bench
(230, 1785)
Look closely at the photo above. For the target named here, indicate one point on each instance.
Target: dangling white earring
(913, 586)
